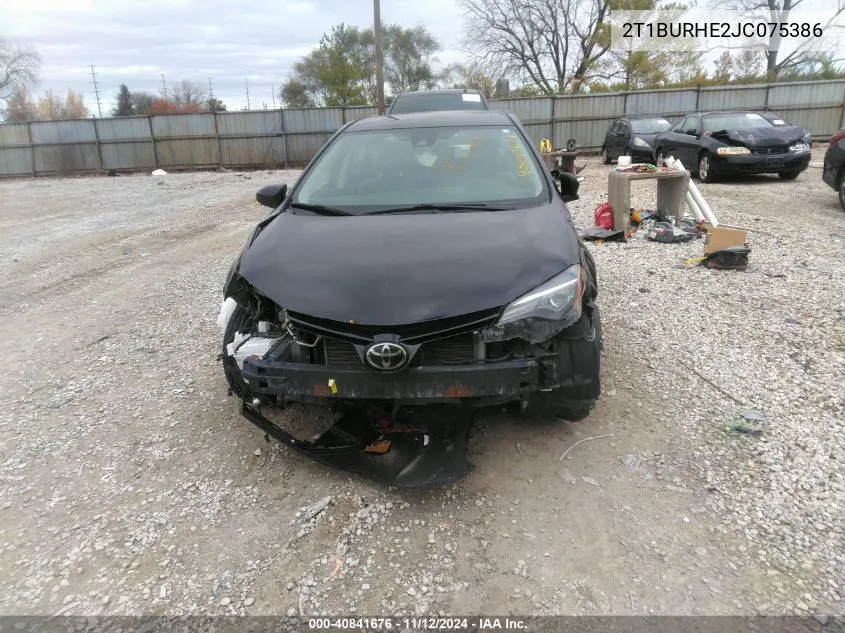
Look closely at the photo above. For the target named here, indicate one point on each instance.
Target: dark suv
(424, 268)
(436, 100)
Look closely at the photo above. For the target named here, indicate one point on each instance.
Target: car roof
(725, 112)
(634, 117)
(441, 91)
(439, 118)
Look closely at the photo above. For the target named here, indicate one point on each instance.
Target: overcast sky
(134, 42)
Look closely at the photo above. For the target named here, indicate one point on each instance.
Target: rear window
(649, 126)
(436, 102)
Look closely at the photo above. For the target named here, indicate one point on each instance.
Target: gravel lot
(129, 483)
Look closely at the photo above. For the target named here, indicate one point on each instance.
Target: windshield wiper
(439, 207)
(319, 209)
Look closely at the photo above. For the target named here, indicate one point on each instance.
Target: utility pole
(96, 90)
(273, 94)
(246, 83)
(210, 89)
(379, 60)
(163, 86)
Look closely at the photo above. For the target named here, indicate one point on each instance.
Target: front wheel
(842, 191)
(578, 359)
(237, 323)
(658, 158)
(605, 159)
(788, 175)
(705, 171)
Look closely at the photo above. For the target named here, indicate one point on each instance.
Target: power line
(96, 90)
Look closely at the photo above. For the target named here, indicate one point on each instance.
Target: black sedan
(834, 165)
(422, 269)
(634, 137)
(714, 144)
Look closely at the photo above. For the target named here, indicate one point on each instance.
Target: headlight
(543, 312)
(799, 147)
(732, 151)
(638, 142)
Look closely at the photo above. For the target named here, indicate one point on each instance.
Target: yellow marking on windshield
(516, 150)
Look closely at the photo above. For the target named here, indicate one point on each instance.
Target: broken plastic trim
(436, 457)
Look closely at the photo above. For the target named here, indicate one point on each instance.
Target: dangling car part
(423, 269)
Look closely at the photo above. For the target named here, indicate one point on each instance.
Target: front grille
(772, 149)
(340, 353)
(412, 334)
(453, 350)
(449, 351)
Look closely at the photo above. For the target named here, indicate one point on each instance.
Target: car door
(610, 141)
(688, 142)
(620, 140)
(623, 138)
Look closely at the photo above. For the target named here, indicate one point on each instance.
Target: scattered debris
(753, 415)
(744, 429)
(316, 509)
(159, 172)
(586, 439)
(632, 461)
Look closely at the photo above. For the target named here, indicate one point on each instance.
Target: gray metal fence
(289, 138)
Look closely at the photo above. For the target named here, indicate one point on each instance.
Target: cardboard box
(719, 238)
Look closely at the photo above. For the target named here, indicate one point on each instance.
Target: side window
(691, 126)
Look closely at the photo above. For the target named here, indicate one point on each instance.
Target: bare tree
(51, 107)
(20, 106)
(188, 93)
(778, 12)
(553, 44)
(748, 64)
(18, 69)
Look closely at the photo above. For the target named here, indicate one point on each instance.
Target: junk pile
(724, 248)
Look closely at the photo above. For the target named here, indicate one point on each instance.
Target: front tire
(577, 357)
(659, 158)
(705, 167)
(605, 159)
(237, 323)
(842, 191)
(788, 175)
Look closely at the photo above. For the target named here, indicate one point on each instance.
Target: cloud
(135, 42)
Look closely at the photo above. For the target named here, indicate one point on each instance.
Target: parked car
(634, 137)
(833, 173)
(422, 262)
(714, 144)
(776, 119)
(437, 100)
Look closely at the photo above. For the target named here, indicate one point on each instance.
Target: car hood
(761, 137)
(408, 268)
(648, 138)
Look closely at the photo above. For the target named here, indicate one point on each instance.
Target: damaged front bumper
(492, 380)
(433, 451)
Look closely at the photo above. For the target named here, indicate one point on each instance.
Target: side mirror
(271, 195)
(692, 133)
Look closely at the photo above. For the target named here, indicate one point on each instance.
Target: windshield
(649, 126)
(435, 102)
(737, 121)
(362, 172)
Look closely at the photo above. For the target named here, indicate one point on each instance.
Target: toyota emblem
(387, 356)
